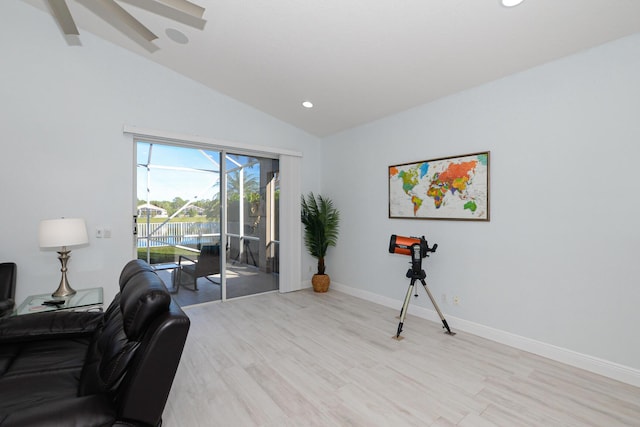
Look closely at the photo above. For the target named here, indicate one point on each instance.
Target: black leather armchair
(94, 369)
(7, 287)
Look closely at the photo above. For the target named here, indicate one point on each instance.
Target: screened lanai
(207, 220)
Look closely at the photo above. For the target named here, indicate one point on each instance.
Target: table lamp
(62, 233)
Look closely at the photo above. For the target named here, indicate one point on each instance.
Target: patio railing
(177, 233)
(191, 235)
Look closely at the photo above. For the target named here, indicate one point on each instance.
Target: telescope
(417, 248)
(410, 246)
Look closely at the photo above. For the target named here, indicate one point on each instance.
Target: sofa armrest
(6, 307)
(94, 410)
(49, 325)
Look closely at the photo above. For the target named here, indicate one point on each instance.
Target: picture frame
(446, 188)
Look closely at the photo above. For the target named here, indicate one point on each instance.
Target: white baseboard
(596, 365)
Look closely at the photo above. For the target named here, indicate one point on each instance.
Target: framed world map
(455, 188)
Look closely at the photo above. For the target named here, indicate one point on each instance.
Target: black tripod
(417, 273)
(247, 253)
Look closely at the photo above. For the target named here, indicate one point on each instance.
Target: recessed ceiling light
(511, 3)
(307, 104)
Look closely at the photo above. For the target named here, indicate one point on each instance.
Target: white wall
(558, 262)
(62, 111)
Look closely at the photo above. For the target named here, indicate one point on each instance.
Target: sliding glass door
(252, 185)
(181, 218)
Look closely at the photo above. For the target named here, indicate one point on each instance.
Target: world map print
(447, 188)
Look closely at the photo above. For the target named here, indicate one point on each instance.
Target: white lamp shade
(63, 232)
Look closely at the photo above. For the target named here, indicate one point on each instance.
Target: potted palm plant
(321, 221)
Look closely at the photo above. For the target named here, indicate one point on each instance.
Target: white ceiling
(360, 60)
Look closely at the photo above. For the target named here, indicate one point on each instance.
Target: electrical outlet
(456, 300)
(99, 233)
(443, 298)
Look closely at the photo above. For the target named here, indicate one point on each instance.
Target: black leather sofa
(7, 287)
(111, 368)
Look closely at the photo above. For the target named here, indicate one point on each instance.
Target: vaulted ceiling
(358, 60)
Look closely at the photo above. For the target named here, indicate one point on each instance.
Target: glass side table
(82, 300)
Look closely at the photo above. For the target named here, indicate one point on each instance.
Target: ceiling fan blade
(182, 6)
(63, 16)
(119, 18)
(177, 10)
(185, 6)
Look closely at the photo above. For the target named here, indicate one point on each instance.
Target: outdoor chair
(207, 264)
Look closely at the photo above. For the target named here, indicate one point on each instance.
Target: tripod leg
(405, 307)
(255, 264)
(433, 301)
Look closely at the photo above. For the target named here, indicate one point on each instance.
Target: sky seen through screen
(182, 172)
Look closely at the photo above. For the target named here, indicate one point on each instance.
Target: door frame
(290, 186)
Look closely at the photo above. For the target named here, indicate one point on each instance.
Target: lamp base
(64, 290)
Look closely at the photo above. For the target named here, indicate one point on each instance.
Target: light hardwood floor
(306, 359)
